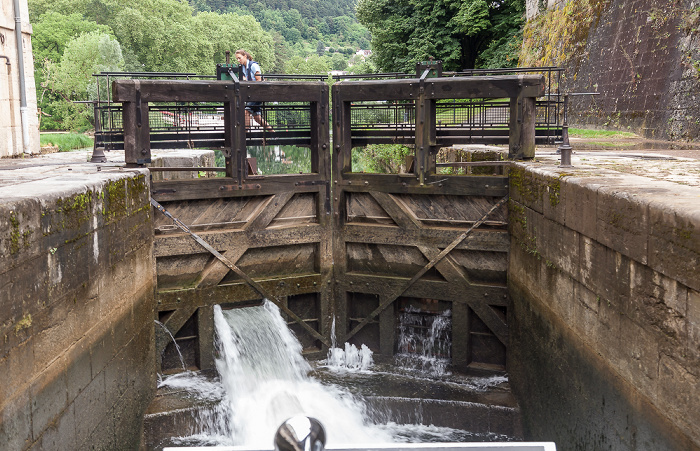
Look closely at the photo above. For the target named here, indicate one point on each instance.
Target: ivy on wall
(558, 36)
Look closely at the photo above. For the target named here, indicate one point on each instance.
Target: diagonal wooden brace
(255, 285)
(391, 298)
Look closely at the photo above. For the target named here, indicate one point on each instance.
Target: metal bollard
(98, 155)
(565, 149)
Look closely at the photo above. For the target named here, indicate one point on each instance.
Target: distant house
(18, 135)
(363, 53)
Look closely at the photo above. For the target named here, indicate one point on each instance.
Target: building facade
(18, 135)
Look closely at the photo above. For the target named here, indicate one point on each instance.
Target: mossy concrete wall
(642, 57)
(604, 276)
(76, 308)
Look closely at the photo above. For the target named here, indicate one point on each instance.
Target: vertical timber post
(521, 142)
(205, 336)
(342, 163)
(137, 139)
(321, 164)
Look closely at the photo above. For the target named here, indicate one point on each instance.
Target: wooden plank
(455, 275)
(425, 288)
(205, 337)
(175, 322)
(267, 211)
(478, 240)
(213, 91)
(443, 88)
(223, 187)
(238, 292)
(215, 270)
(485, 87)
(182, 244)
(401, 215)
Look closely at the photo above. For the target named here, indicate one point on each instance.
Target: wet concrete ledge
(604, 276)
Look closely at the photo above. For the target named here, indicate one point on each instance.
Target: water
(424, 341)
(177, 348)
(264, 377)
(348, 358)
(264, 380)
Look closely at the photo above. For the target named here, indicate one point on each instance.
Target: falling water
(424, 341)
(263, 380)
(177, 348)
(264, 377)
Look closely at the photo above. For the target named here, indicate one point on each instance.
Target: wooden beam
(213, 91)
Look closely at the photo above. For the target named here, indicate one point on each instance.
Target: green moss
(71, 212)
(558, 35)
(554, 188)
(24, 323)
(683, 233)
(14, 234)
(523, 181)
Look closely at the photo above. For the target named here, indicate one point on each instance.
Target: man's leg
(262, 122)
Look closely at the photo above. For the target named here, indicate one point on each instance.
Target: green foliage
(282, 159)
(338, 62)
(71, 79)
(454, 31)
(305, 27)
(380, 158)
(66, 141)
(311, 65)
(83, 56)
(53, 30)
(363, 67)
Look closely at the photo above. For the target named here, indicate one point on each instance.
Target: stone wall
(604, 276)
(643, 58)
(10, 120)
(76, 308)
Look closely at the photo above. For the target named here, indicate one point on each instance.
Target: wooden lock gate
(332, 243)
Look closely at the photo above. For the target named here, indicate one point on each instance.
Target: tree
(338, 62)
(231, 32)
(53, 31)
(71, 79)
(454, 31)
(306, 66)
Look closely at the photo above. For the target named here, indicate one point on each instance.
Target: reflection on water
(276, 159)
(281, 159)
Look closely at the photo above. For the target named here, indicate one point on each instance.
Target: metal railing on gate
(199, 124)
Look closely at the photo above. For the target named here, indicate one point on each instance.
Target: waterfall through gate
(263, 380)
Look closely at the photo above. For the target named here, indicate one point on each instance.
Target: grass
(583, 133)
(66, 141)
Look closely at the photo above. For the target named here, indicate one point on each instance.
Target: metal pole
(565, 148)
(22, 85)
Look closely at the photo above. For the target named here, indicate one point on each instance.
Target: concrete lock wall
(76, 309)
(604, 275)
(10, 120)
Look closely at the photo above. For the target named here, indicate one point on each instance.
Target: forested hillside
(74, 39)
